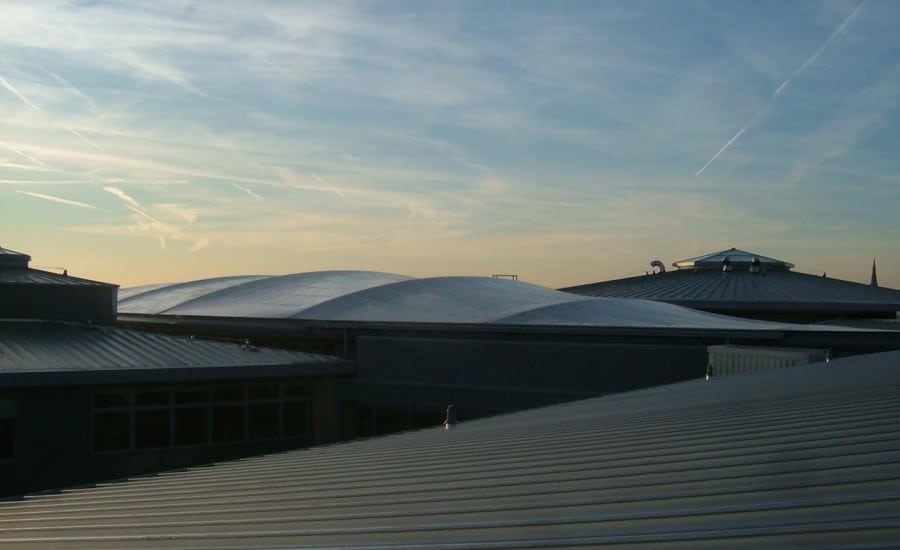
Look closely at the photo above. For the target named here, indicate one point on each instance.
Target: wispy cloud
(462, 134)
(60, 200)
(145, 223)
(135, 205)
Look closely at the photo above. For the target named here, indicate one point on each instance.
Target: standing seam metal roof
(44, 346)
(14, 270)
(775, 287)
(807, 456)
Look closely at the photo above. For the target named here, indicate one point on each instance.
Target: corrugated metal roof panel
(17, 276)
(37, 346)
(14, 270)
(807, 456)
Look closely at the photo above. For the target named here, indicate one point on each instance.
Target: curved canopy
(368, 296)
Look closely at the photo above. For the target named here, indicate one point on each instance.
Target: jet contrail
(18, 94)
(249, 192)
(124, 196)
(77, 134)
(5, 83)
(59, 200)
(336, 190)
(784, 85)
(722, 150)
(20, 153)
(74, 91)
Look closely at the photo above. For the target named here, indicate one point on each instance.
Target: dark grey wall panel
(544, 366)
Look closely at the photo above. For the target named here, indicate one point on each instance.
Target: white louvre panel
(727, 359)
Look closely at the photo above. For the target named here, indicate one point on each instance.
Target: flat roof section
(807, 456)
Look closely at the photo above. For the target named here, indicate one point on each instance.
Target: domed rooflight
(739, 259)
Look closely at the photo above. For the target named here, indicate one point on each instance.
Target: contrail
(150, 224)
(336, 190)
(18, 94)
(132, 205)
(722, 150)
(784, 85)
(74, 91)
(124, 196)
(59, 200)
(20, 153)
(77, 134)
(5, 83)
(249, 192)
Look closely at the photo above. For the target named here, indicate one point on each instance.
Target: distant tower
(874, 280)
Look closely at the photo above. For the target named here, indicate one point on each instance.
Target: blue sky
(566, 142)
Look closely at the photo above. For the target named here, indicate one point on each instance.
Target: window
(191, 426)
(127, 419)
(228, 423)
(112, 431)
(262, 421)
(151, 428)
(295, 418)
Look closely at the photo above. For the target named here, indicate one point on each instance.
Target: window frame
(284, 394)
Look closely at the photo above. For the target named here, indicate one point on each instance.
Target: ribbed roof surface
(38, 277)
(14, 270)
(13, 258)
(38, 346)
(382, 297)
(801, 457)
(695, 287)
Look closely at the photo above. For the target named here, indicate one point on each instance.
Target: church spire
(874, 280)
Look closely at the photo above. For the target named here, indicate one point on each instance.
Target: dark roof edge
(167, 375)
(786, 306)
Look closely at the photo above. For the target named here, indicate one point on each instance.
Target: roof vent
(451, 421)
(754, 266)
(658, 266)
(726, 264)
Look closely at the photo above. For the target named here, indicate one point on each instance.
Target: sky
(565, 142)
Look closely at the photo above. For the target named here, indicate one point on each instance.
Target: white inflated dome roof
(384, 297)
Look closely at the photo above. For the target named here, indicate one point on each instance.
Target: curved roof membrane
(156, 299)
(630, 312)
(440, 300)
(368, 296)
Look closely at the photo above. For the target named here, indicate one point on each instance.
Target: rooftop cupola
(734, 260)
(28, 293)
(13, 259)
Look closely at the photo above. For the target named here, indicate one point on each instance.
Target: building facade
(82, 400)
